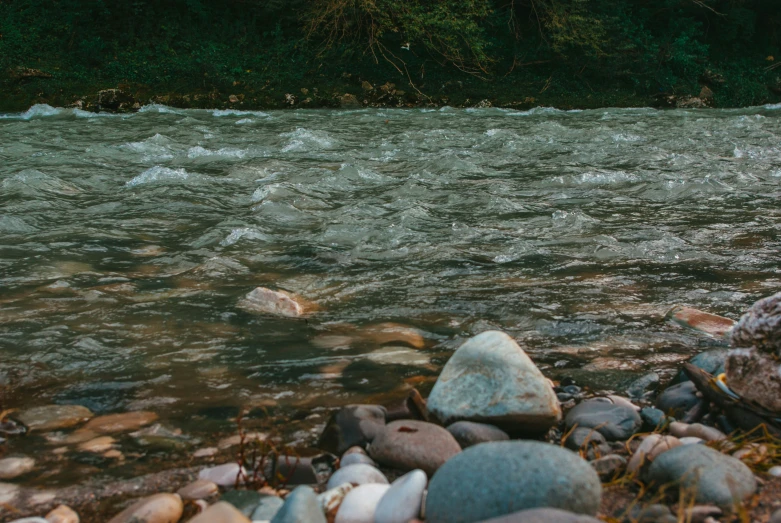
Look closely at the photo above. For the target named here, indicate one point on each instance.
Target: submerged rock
(11, 468)
(54, 417)
(498, 478)
(490, 379)
(713, 477)
(124, 422)
(412, 444)
(711, 324)
(277, 303)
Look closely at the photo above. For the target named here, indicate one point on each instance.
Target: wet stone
(613, 421)
(301, 506)
(360, 504)
(678, 399)
(710, 324)
(198, 489)
(277, 303)
(543, 515)
(159, 508)
(513, 476)
(403, 500)
(411, 444)
(358, 474)
(715, 478)
(11, 468)
(62, 514)
(54, 417)
(354, 425)
(468, 433)
(8, 493)
(220, 512)
(490, 379)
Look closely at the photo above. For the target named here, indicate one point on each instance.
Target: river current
(128, 241)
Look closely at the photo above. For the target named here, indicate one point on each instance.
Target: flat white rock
(403, 499)
(357, 474)
(360, 503)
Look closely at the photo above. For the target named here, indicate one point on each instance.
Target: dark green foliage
(567, 52)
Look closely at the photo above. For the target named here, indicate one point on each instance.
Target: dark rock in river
(411, 444)
(490, 379)
(468, 433)
(678, 399)
(354, 425)
(614, 421)
(715, 478)
(499, 478)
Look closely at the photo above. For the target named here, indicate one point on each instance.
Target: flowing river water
(128, 241)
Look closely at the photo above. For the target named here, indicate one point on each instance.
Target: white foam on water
(243, 233)
(198, 151)
(36, 111)
(235, 112)
(159, 173)
(305, 139)
(159, 108)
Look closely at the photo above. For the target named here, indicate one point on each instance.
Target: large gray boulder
(498, 478)
(490, 379)
(754, 376)
(713, 477)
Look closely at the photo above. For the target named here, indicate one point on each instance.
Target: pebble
(582, 437)
(403, 500)
(11, 468)
(98, 445)
(543, 515)
(244, 500)
(223, 475)
(498, 478)
(468, 433)
(412, 444)
(696, 430)
(30, 520)
(198, 489)
(220, 512)
(643, 386)
(330, 500)
(124, 422)
(159, 508)
(715, 478)
(8, 493)
(490, 379)
(678, 399)
(267, 508)
(651, 447)
(354, 458)
(613, 421)
(205, 452)
(62, 514)
(653, 418)
(360, 504)
(608, 467)
(232, 441)
(775, 471)
(301, 506)
(54, 417)
(358, 474)
(700, 513)
(277, 303)
(353, 425)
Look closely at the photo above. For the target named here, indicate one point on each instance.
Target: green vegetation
(568, 53)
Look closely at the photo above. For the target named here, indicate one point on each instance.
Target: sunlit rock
(276, 303)
(711, 324)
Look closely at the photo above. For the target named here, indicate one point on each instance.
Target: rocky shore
(495, 441)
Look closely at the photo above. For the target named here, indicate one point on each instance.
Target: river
(128, 241)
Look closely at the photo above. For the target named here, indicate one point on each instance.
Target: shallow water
(126, 243)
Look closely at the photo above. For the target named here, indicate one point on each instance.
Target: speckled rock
(490, 379)
(755, 376)
(360, 504)
(613, 421)
(402, 502)
(8, 493)
(62, 514)
(54, 417)
(221, 512)
(760, 327)
(159, 508)
(301, 506)
(353, 425)
(513, 476)
(198, 489)
(411, 444)
(11, 468)
(543, 515)
(715, 477)
(358, 474)
(468, 433)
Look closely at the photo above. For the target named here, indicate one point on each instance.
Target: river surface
(128, 241)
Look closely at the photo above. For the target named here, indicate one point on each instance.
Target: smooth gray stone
(653, 418)
(403, 499)
(245, 501)
(776, 517)
(301, 506)
(354, 458)
(584, 436)
(613, 421)
(490, 379)
(498, 478)
(678, 399)
(711, 361)
(353, 425)
(411, 444)
(468, 433)
(543, 515)
(643, 386)
(358, 474)
(267, 508)
(716, 478)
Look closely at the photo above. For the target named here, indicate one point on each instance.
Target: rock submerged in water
(499, 478)
(277, 303)
(11, 468)
(411, 444)
(490, 379)
(713, 477)
(54, 417)
(711, 324)
(301, 506)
